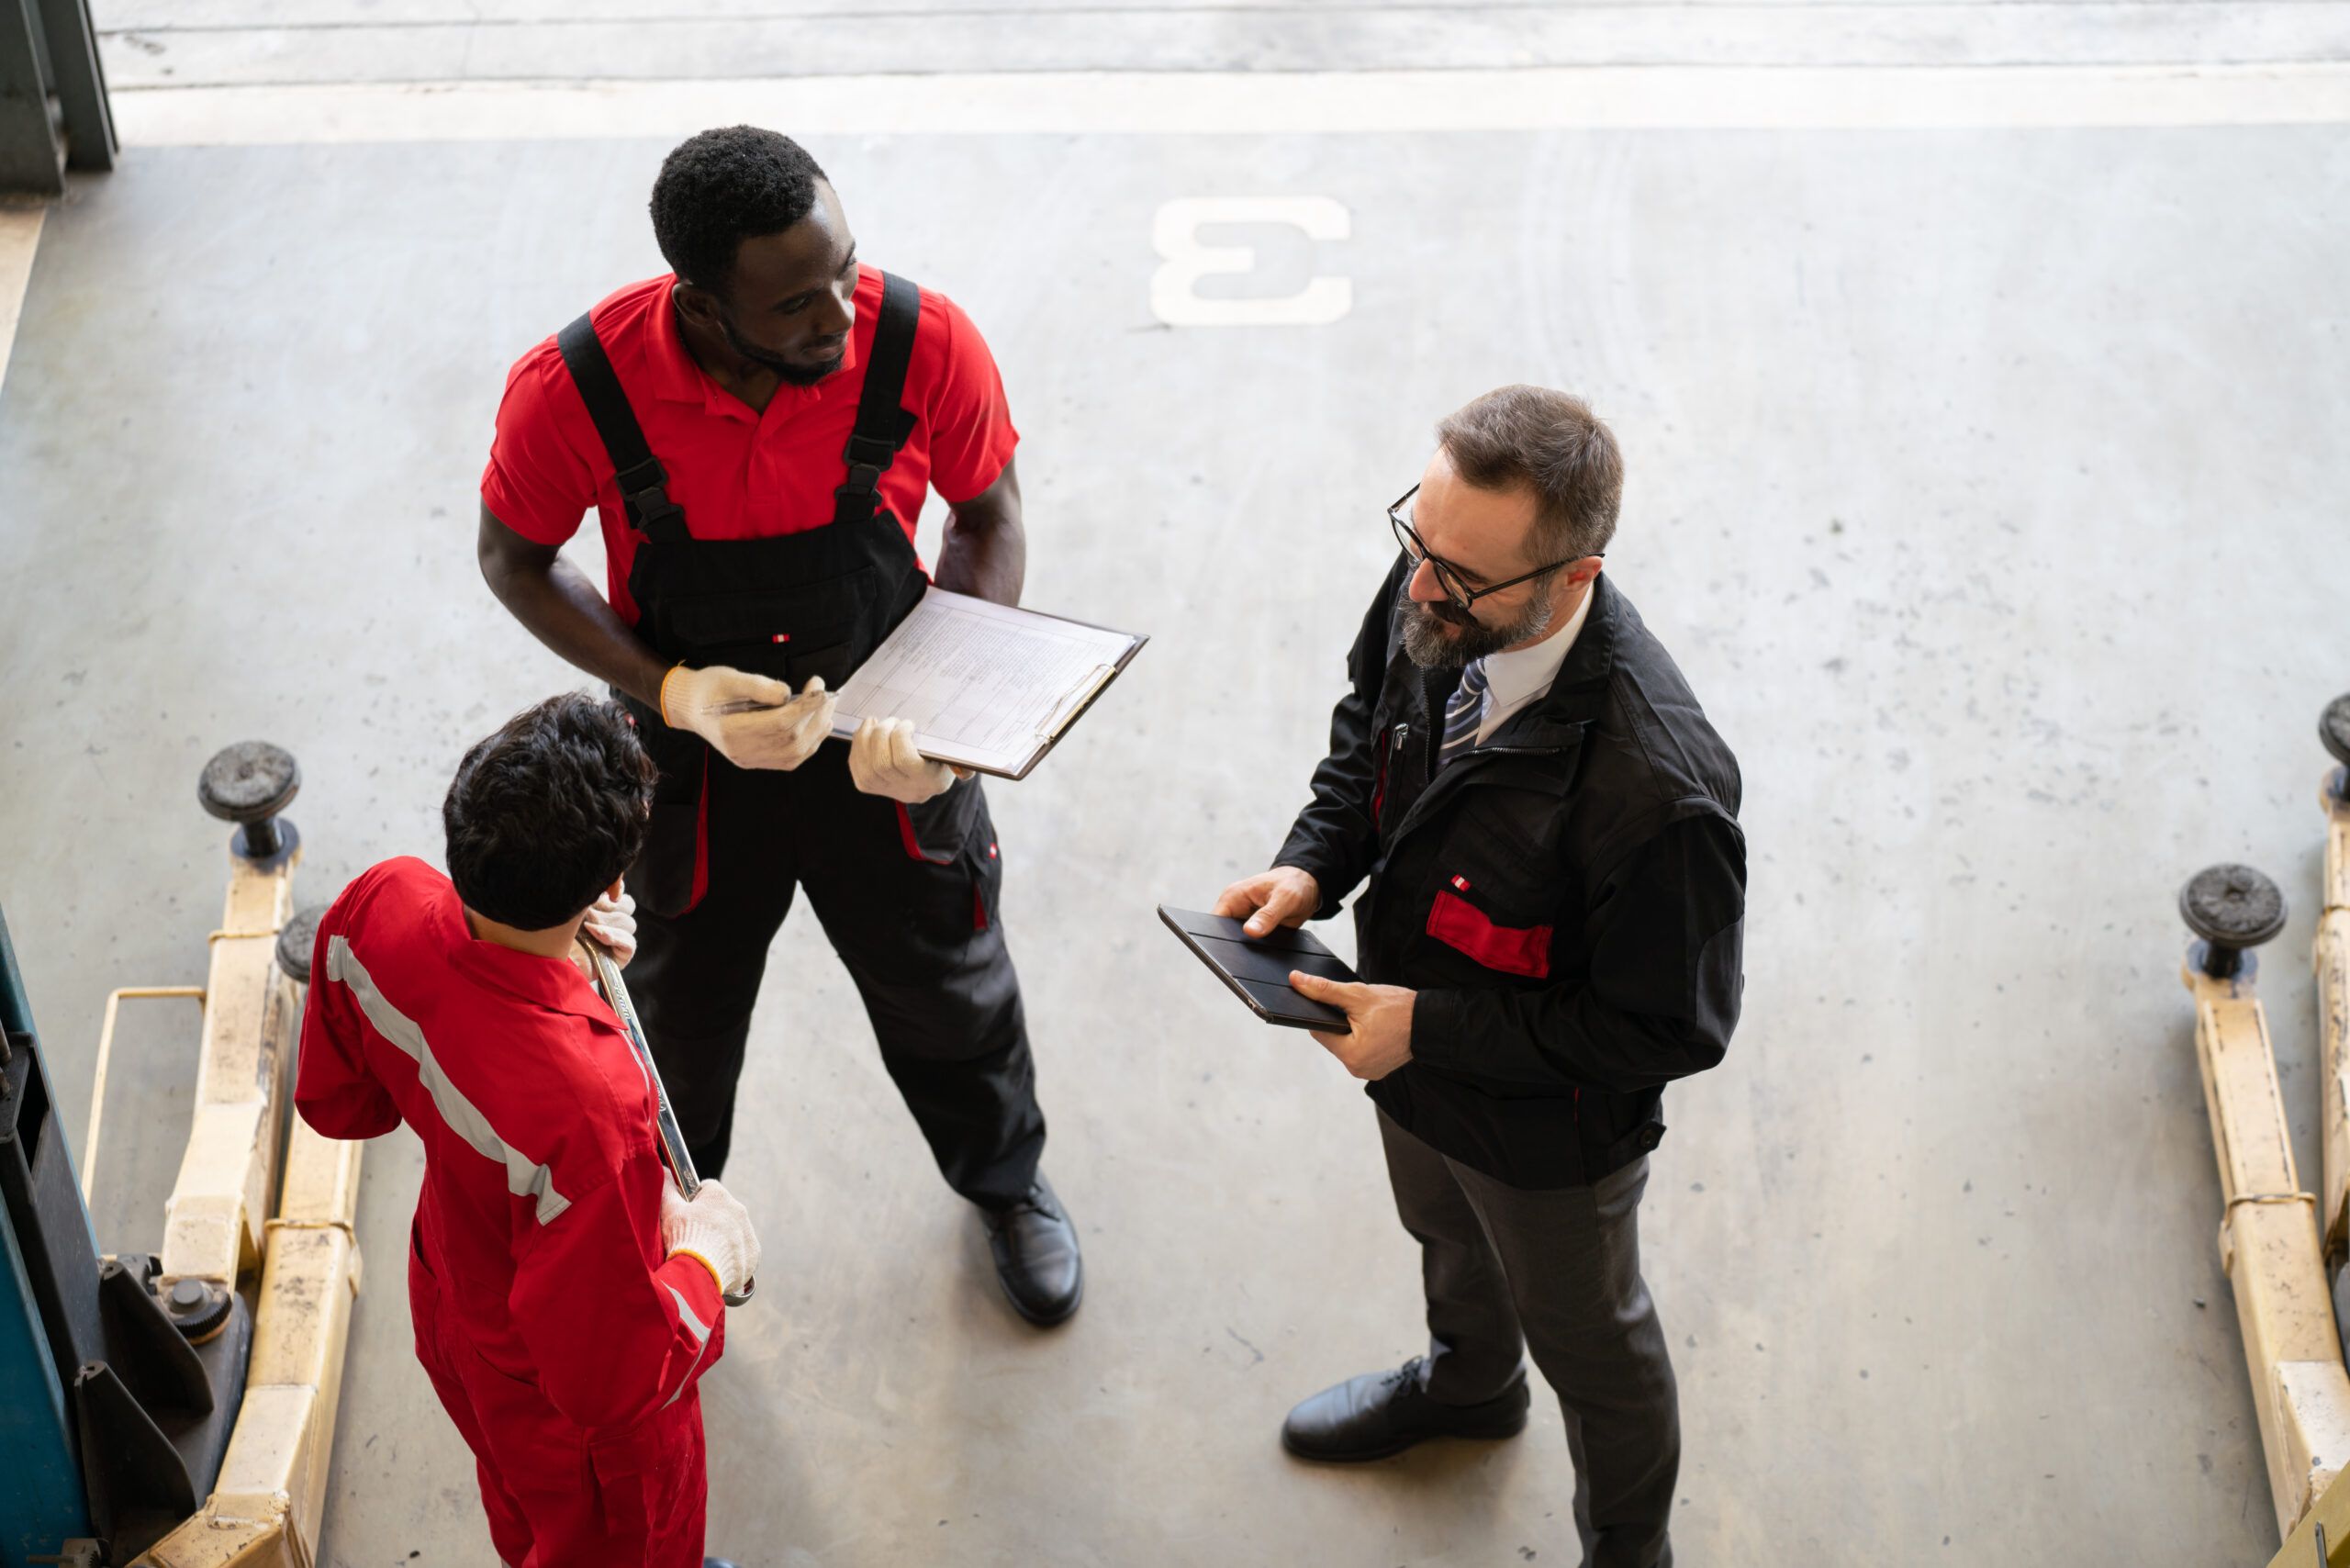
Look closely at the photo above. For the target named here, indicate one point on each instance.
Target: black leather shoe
(1036, 1255)
(1385, 1412)
(716, 1562)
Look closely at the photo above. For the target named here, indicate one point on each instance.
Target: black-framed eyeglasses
(1449, 577)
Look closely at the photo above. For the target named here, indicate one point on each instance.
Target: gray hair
(1549, 442)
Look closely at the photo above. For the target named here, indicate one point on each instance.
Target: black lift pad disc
(2334, 728)
(295, 940)
(248, 781)
(2234, 905)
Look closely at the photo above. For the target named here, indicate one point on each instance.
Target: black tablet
(1256, 969)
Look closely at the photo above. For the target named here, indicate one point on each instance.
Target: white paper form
(984, 685)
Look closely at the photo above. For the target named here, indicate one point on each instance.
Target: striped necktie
(1463, 713)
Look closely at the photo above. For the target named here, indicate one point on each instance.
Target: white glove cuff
(688, 1252)
(715, 1247)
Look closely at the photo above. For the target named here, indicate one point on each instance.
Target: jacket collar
(1554, 724)
(1578, 695)
(550, 983)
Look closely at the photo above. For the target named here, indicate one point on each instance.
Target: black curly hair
(721, 188)
(546, 813)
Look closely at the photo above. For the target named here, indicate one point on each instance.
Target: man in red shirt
(567, 1299)
(757, 431)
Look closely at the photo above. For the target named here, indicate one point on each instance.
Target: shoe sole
(1366, 1456)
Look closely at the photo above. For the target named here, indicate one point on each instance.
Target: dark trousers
(1559, 1271)
(909, 901)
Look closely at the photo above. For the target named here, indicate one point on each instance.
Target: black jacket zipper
(1410, 816)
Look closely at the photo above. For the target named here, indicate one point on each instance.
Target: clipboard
(1079, 701)
(922, 672)
(1256, 968)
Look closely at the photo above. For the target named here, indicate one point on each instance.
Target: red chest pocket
(1513, 950)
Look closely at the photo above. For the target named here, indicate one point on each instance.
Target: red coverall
(564, 1345)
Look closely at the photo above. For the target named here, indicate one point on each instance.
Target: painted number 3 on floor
(1185, 258)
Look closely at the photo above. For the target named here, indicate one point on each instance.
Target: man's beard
(1426, 644)
(790, 372)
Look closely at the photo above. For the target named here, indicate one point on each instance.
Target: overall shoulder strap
(642, 480)
(882, 426)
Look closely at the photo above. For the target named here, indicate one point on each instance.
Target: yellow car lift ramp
(2331, 955)
(2268, 1232)
(2322, 1537)
(261, 1213)
(269, 1500)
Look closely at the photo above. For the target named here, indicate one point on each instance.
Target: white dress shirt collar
(1519, 675)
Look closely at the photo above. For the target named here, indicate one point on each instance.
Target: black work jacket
(1567, 899)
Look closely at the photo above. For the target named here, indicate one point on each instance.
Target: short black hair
(546, 813)
(721, 188)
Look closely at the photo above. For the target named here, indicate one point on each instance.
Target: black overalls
(907, 895)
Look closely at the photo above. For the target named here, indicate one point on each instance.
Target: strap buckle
(863, 487)
(645, 493)
(656, 516)
(869, 452)
(652, 507)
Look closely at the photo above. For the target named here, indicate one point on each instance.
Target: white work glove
(716, 1229)
(753, 722)
(611, 923)
(883, 760)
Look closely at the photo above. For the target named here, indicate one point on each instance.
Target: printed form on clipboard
(986, 687)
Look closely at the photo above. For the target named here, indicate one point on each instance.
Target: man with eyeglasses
(1545, 828)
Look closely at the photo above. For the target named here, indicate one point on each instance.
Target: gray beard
(1426, 644)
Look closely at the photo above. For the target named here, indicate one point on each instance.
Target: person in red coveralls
(757, 431)
(567, 1299)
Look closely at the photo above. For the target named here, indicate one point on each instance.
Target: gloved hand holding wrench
(704, 1217)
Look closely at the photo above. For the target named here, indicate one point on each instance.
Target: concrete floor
(176, 43)
(1987, 485)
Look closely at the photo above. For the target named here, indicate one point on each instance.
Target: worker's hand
(1270, 900)
(611, 923)
(716, 1229)
(753, 722)
(1379, 1018)
(883, 759)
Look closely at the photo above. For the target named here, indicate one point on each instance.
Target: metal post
(53, 111)
(32, 148)
(80, 82)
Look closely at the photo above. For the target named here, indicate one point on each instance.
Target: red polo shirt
(738, 472)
